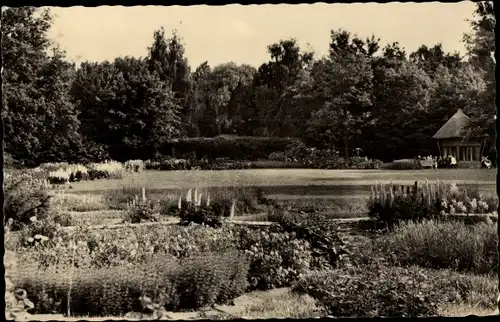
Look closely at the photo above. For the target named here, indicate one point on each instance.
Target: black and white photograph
(249, 161)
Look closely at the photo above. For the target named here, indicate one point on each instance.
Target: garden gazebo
(451, 141)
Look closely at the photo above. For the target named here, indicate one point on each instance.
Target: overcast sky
(241, 34)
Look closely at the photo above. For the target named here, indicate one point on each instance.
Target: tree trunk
(346, 135)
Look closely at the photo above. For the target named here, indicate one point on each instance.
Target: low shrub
(142, 211)
(10, 162)
(451, 245)
(25, 197)
(121, 198)
(395, 291)
(374, 291)
(235, 148)
(80, 202)
(152, 165)
(403, 164)
(17, 303)
(209, 215)
(106, 170)
(134, 165)
(189, 284)
(276, 258)
(364, 163)
(390, 204)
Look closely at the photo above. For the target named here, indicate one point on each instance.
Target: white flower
(33, 219)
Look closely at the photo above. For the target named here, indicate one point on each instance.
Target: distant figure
(453, 161)
(485, 163)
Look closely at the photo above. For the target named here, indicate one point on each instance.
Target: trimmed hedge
(235, 148)
(192, 283)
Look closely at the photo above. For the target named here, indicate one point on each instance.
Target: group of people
(450, 161)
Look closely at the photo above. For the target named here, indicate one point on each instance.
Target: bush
(390, 204)
(372, 291)
(120, 199)
(134, 165)
(16, 301)
(106, 170)
(451, 245)
(25, 196)
(190, 284)
(404, 164)
(234, 148)
(395, 291)
(10, 162)
(276, 258)
(142, 211)
(206, 280)
(80, 202)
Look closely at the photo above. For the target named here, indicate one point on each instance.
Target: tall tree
(402, 93)
(273, 87)
(345, 84)
(126, 107)
(39, 119)
(430, 58)
(166, 58)
(480, 44)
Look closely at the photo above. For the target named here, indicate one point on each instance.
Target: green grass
(283, 177)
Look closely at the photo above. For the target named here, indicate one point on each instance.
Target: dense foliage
(25, 197)
(391, 291)
(382, 101)
(470, 248)
(391, 204)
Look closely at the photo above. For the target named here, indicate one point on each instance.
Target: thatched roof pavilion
(451, 140)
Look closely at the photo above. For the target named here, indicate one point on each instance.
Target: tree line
(360, 95)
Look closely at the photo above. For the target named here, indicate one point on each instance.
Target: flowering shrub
(390, 204)
(277, 259)
(108, 170)
(134, 165)
(142, 211)
(25, 196)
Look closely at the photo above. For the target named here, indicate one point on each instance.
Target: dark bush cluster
(94, 174)
(404, 164)
(171, 164)
(212, 215)
(82, 176)
(234, 148)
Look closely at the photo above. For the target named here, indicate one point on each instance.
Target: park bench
(428, 163)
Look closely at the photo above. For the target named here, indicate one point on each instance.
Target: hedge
(235, 148)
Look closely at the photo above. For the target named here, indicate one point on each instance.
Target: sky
(241, 34)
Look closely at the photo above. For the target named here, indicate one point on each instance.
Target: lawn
(287, 181)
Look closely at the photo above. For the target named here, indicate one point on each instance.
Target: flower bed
(390, 204)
